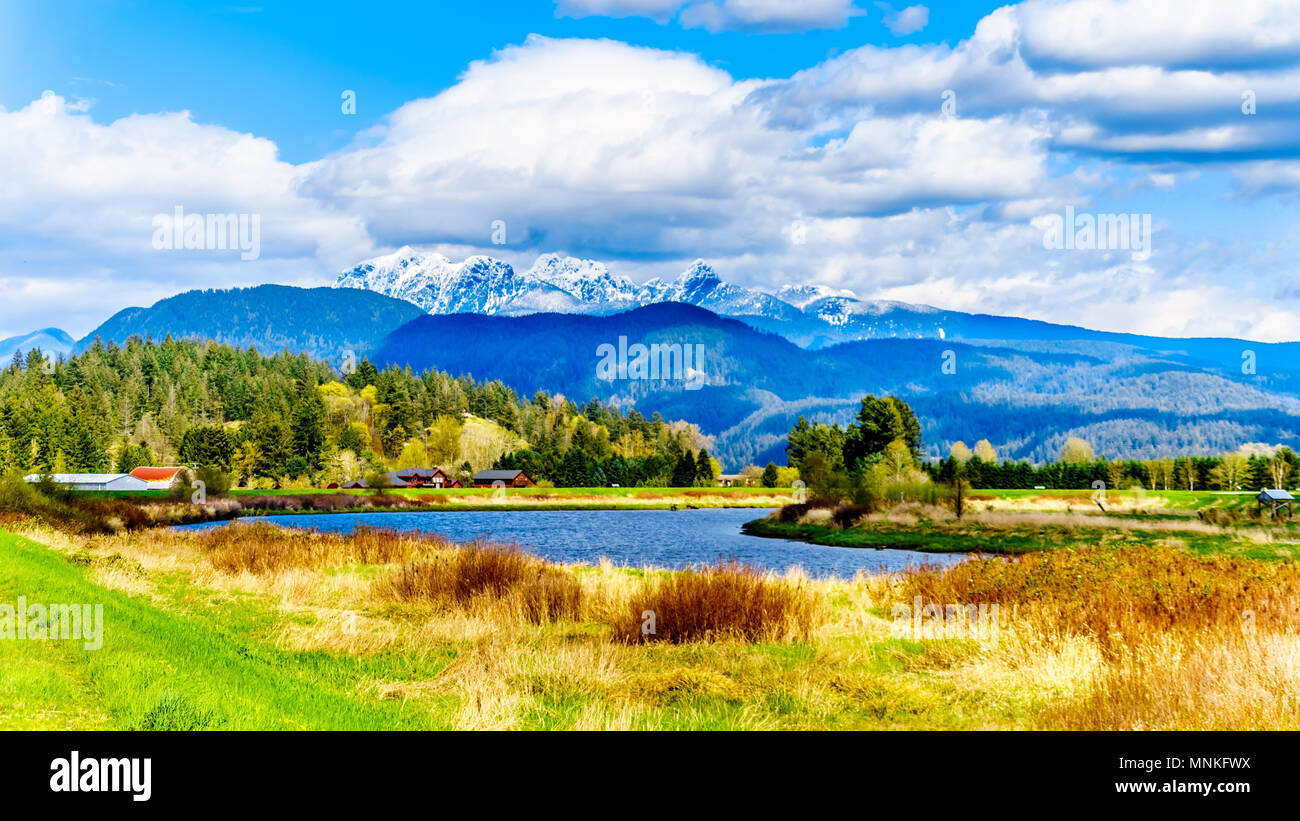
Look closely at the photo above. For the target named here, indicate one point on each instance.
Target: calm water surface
(672, 539)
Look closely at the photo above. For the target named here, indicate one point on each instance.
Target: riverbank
(1032, 524)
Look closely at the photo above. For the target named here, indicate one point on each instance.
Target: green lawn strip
(162, 669)
(929, 537)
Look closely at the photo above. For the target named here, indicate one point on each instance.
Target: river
(671, 539)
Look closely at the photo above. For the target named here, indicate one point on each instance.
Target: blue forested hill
(1135, 398)
(323, 322)
(1128, 395)
(50, 341)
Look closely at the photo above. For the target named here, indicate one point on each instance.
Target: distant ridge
(51, 342)
(322, 322)
(1026, 396)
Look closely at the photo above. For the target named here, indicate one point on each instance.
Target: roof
(1270, 495)
(493, 475)
(127, 481)
(156, 474)
(423, 473)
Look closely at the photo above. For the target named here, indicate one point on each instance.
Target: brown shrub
(795, 512)
(262, 547)
(848, 515)
(1122, 595)
(487, 573)
(720, 602)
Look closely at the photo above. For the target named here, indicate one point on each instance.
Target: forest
(292, 421)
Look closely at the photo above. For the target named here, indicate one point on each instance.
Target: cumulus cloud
(78, 200)
(622, 149)
(1123, 106)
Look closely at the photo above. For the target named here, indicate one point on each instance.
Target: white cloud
(628, 150)
(1099, 33)
(907, 21)
(78, 201)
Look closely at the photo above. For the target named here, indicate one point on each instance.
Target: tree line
(882, 446)
(289, 420)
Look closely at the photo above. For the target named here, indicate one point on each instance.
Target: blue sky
(649, 133)
(276, 69)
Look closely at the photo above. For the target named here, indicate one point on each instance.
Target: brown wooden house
(507, 478)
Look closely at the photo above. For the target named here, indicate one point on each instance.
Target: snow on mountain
(700, 285)
(563, 284)
(587, 281)
(801, 295)
(480, 284)
(845, 311)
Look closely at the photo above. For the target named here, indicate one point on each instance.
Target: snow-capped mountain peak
(587, 281)
(480, 284)
(557, 283)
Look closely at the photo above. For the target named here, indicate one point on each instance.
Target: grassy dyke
(164, 669)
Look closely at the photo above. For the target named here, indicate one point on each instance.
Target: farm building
(422, 477)
(1277, 500)
(162, 478)
(412, 477)
(94, 481)
(507, 478)
(731, 480)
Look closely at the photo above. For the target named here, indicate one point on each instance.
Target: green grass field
(181, 661)
(1020, 521)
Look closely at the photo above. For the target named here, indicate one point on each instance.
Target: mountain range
(811, 316)
(1027, 397)
(561, 284)
(766, 358)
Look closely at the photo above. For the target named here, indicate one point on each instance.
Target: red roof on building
(156, 474)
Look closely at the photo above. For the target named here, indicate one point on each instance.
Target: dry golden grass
(1121, 595)
(727, 601)
(1141, 637)
(497, 576)
(265, 548)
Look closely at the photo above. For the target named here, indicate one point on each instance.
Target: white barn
(94, 481)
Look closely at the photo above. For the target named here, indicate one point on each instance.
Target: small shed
(1277, 500)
